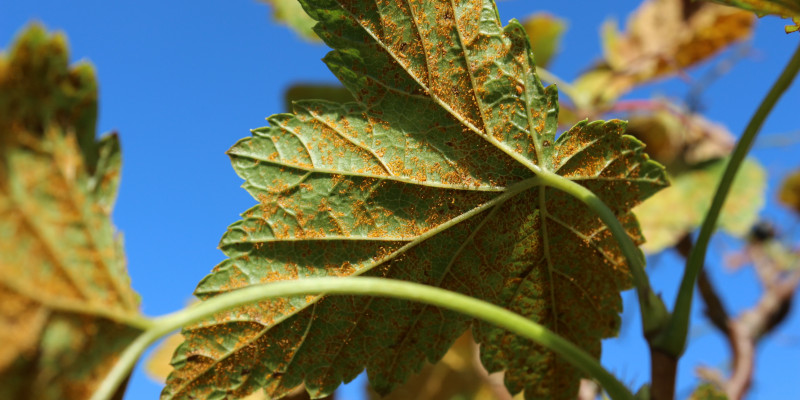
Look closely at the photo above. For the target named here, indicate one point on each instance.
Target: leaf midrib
(400, 179)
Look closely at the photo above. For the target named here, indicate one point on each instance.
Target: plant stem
(654, 313)
(369, 287)
(673, 340)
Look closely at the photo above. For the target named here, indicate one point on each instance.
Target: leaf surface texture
(430, 176)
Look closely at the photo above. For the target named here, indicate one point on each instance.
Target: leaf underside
(61, 264)
(429, 177)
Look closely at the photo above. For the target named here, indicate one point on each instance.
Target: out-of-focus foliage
(544, 32)
(40, 91)
(661, 38)
(680, 208)
(789, 192)
(157, 365)
(781, 8)
(693, 150)
(64, 288)
(680, 140)
(458, 375)
(707, 391)
(291, 13)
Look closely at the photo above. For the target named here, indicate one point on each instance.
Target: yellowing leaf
(544, 32)
(781, 8)
(291, 13)
(458, 375)
(784, 8)
(707, 391)
(679, 209)
(662, 38)
(157, 365)
(65, 297)
(433, 176)
(789, 193)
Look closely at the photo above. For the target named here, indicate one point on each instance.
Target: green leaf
(544, 32)
(679, 209)
(66, 305)
(431, 177)
(291, 13)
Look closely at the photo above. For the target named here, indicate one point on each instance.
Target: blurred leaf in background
(781, 8)
(789, 192)
(545, 32)
(291, 14)
(707, 391)
(679, 139)
(680, 208)
(661, 38)
(66, 306)
(458, 375)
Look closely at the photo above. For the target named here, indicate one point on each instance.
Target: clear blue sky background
(183, 80)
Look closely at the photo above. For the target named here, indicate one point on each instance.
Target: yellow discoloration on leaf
(65, 297)
(418, 180)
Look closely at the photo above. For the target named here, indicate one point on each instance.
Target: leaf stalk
(367, 287)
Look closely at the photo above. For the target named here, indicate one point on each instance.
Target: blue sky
(182, 81)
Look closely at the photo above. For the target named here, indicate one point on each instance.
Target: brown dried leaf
(661, 39)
